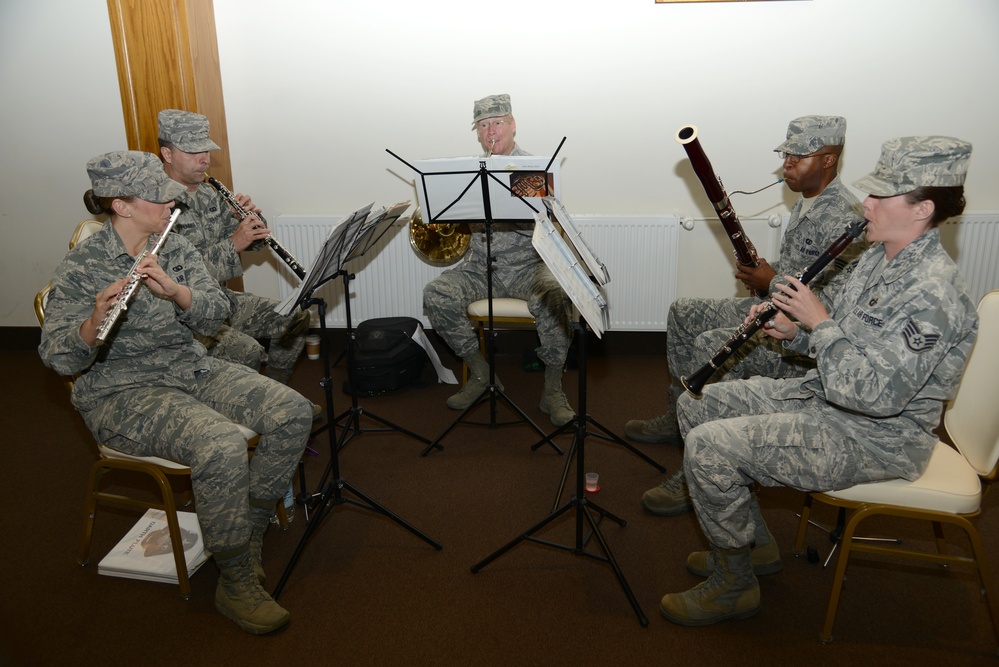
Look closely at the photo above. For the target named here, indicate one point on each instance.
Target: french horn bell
(438, 243)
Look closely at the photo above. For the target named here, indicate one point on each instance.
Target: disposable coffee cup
(312, 346)
(591, 482)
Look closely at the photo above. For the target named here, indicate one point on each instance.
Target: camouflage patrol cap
(186, 130)
(908, 163)
(808, 134)
(132, 173)
(492, 106)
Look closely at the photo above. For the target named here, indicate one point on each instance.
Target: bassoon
(241, 212)
(745, 251)
(695, 383)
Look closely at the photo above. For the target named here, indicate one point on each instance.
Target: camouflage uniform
(209, 225)
(518, 272)
(697, 328)
(887, 360)
(151, 389)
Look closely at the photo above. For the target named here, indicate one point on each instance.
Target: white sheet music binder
(567, 269)
(448, 189)
(572, 234)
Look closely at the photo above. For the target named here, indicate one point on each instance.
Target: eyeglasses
(492, 122)
(794, 159)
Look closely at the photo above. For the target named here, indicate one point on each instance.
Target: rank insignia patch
(916, 340)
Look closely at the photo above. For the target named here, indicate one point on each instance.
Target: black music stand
(590, 304)
(598, 274)
(350, 420)
(482, 211)
(328, 265)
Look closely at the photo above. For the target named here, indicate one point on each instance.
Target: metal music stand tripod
(333, 484)
(582, 507)
(586, 298)
(578, 427)
(492, 391)
(350, 419)
(598, 274)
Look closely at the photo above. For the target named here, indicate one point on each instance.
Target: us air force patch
(916, 340)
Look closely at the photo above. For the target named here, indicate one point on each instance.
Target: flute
(134, 280)
(695, 383)
(278, 249)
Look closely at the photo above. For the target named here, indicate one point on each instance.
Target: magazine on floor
(145, 551)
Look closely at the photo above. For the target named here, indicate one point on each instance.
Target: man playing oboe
(889, 352)
(696, 327)
(218, 233)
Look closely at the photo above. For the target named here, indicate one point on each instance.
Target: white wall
(315, 91)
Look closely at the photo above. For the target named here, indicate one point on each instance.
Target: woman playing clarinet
(888, 354)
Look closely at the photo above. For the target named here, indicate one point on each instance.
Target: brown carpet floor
(366, 591)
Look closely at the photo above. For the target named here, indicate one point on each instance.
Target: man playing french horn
(696, 327)
(220, 235)
(518, 272)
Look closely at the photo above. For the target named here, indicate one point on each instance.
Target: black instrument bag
(385, 356)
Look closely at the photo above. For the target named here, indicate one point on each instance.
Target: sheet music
(449, 189)
(564, 265)
(330, 258)
(572, 234)
(375, 226)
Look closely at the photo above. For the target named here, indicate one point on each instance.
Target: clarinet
(278, 249)
(134, 280)
(745, 251)
(695, 383)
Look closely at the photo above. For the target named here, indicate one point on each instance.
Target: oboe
(695, 383)
(278, 249)
(134, 280)
(745, 251)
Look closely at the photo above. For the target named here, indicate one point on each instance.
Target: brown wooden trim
(167, 56)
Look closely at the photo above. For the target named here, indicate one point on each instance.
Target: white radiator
(389, 279)
(973, 241)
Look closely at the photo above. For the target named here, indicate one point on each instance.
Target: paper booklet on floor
(145, 551)
(567, 268)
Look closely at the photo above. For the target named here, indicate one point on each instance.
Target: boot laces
(675, 483)
(662, 423)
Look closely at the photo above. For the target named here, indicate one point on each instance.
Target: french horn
(438, 243)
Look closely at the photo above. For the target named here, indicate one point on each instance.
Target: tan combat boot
(731, 592)
(240, 597)
(478, 380)
(765, 559)
(670, 498)
(261, 512)
(553, 400)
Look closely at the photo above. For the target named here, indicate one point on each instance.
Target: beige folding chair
(84, 229)
(507, 314)
(949, 491)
